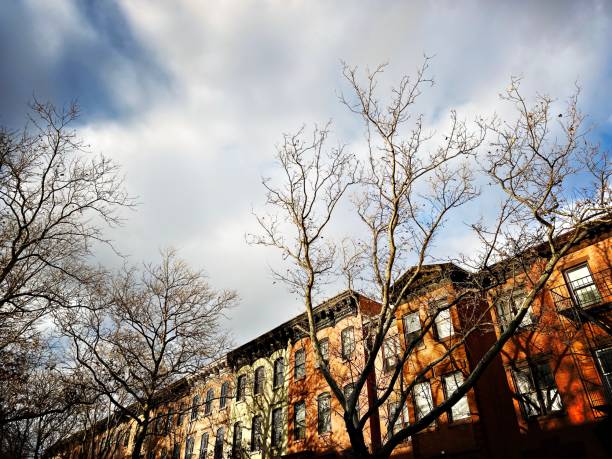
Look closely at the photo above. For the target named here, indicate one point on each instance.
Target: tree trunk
(141, 433)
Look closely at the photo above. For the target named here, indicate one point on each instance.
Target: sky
(191, 97)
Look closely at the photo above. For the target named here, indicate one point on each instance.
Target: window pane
(277, 426)
(210, 395)
(299, 420)
(241, 388)
(218, 454)
(391, 350)
(324, 346)
(224, 391)
(203, 445)
(444, 325)
(188, 447)
(461, 409)
(256, 434)
(348, 342)
(423, 401)
(237, 441)
(412, 327)
(195, 406)
(279, 372)
(258, 381)
(300, 364)
(324, 413)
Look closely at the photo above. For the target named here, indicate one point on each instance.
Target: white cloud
(242, 73)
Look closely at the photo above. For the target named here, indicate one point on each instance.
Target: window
(224, 392)
(461, 409)
(412, 327)
(348, 342)
(256, 433)
(204, 445)
(508, 306)
(324, 346)
(443, 322)
(169, 417)
(258, 381)
(300, 364)
(279, 372)
(181, 414)
(237, 441)
(176, 452)
(189, 447)
(324, 413)
(218, 454)
(126, 437)
(604, 356)
(163, 454)
(210, 395)
(277, 426)
(299, 420)
(391, 350)
(195, 405)
(582, 286)
(395, 425)
(151, 454)
(537, 391)
(348, 391)
(423, 401)
(241, 388)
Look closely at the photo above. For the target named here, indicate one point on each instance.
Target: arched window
(210, 395)
(258, 382)
(195, 406)
(224, 392)
(279, 372)
(219, 443)
(237, 441)
(256, 434)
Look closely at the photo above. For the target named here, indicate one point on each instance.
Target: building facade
(547, 394)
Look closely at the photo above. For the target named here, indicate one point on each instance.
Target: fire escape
(587, 302)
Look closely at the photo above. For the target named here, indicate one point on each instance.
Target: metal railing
(586, 292)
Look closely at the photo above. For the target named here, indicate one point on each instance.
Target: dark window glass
(300, 364)
(348, 342)
(508, 306)
(126, 437)
(324, 413)
(168, 421)
(279, 372)
(181, 414)
(324, 346)
(299, 420)
(241, 388)
(258, 382)
(210, 395)
(219, 438)
(277, 426)
(256, 434)
(195, 407)
(604, 356)
(537, 390)
(176, 452)
(189, 447)
(348, 391)
(204, 445)
(237, 441)
(224, 392)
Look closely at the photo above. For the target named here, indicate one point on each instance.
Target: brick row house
(547, 394)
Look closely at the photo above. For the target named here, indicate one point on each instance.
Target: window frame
(237, 440)
(203, 445)
(299, 428)
(195, 407)
(453, 413)
(299, 371)
(278, 377)
(532, 370)
(219, 442)
(241, 388)
(347, 342)
(256, 433)
(509, 299)
(324, 420)
(208, 405)
(276, 427)
(437, 322)
(606, 376)
(189, 444)
(259, 378)
(418, 415)
(414, 333)
(572, 289)
(324, 346)
(225, 389)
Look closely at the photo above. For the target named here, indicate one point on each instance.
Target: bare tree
(410, 183)
(53, 200)
(143, 330)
